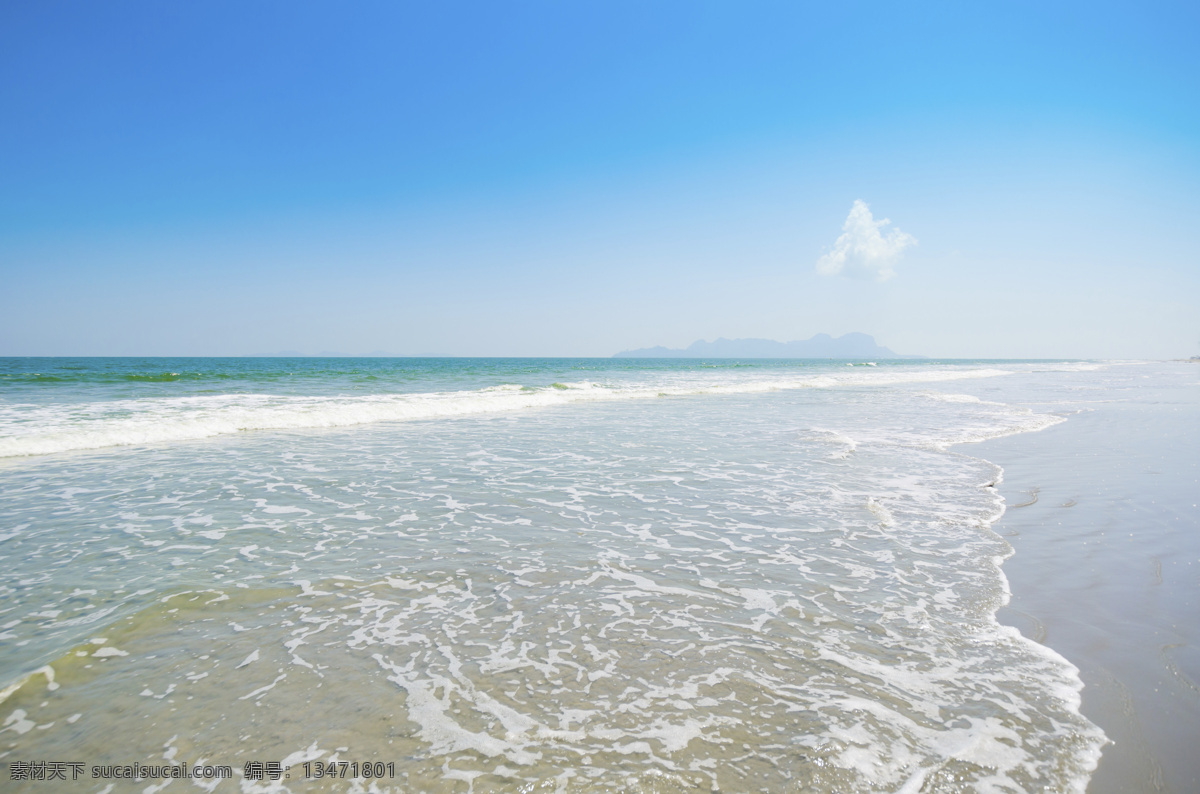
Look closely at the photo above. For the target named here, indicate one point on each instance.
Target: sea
(526, 575)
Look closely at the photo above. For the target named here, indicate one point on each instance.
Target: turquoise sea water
(557, 574)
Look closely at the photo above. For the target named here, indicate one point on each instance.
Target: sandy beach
(1103, 519)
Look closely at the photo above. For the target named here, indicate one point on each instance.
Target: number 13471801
(350, 769)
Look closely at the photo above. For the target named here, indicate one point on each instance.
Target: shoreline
(1106, 556)
(1048, 470)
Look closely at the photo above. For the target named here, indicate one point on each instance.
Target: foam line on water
(31, 430)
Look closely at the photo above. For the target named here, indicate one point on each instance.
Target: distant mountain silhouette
(820, 346)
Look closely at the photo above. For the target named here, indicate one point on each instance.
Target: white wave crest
(30, 429)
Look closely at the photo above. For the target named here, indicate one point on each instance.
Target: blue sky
(549, 178)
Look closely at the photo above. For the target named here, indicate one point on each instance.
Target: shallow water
(770, 577)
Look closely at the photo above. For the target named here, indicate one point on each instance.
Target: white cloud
(864, 250)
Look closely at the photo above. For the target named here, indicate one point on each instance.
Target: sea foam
(28, 429)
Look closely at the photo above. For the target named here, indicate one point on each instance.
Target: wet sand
(1103, 519)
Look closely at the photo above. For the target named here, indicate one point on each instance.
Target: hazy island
(852, 345)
